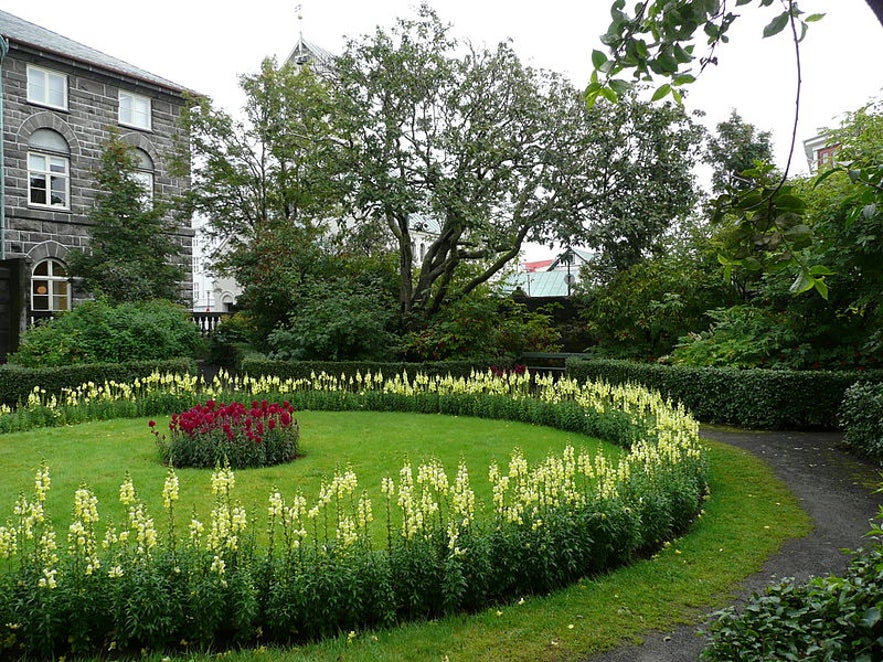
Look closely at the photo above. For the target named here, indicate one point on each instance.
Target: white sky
(205, 45)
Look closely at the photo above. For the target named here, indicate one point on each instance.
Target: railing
(206, 322)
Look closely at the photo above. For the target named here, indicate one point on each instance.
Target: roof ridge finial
(300, 22)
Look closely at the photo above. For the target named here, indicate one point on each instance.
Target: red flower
(151, 424)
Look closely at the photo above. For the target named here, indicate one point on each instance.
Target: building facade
(61, 102)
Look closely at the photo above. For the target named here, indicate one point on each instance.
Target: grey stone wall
(35, 233)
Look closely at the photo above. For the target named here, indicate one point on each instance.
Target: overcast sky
(205, 45)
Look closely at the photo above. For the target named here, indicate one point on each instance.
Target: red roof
(538, 265)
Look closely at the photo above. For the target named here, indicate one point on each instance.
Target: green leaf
(661, 92)
(821, 287)
(812, 18)
(739, 3)
(821, 270)
(790, 203)
(684, 79)
(620, 86)
(609, 94)
(776, 25)
(803, 283)
(598, 59)
(677, 96)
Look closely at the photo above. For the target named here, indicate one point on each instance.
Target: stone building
(61, 101)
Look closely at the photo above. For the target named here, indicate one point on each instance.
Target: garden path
(835, 488)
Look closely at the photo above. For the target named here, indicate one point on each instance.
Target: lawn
(747, 518)
(374, 444)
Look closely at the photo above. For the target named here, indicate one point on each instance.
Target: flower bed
(148, 586)
(215, 434)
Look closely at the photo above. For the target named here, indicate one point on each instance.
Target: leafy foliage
(736, 148)
(482, 328)
(338, 320)
(98, 332)
(750, 398)
(861, 415)
(657, 39)
(826, 618)
(132, 254)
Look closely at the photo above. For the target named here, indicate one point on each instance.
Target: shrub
(17, 383)
(861, 415)
(96, 332)
(824, 619)
(752, 398)
(482, 328)
(234, 435)
(337, 321)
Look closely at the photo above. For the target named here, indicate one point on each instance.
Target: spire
(300, 22)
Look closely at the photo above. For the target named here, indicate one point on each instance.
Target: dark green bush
(96, 332)
(861, 415)
(337, 320)
(825, 619)
(752, 398)
(17, 382)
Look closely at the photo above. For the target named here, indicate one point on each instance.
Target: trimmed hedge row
(861, 415)
(260, 366)
(16, 382)
(751, 398)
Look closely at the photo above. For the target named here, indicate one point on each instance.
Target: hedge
(16, 382)
(861, 415)
(750, 398)
(259, 366)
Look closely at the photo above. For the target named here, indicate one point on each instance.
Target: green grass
(375, 444)
(749, 515)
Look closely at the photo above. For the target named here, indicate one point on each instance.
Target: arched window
(50, 286)
(144, 172)
(48, 170)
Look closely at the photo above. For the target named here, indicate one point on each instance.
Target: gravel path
(835, 489)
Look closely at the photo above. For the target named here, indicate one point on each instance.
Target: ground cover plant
(320, 573)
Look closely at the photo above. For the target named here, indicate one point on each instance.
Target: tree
(496, 152)
(657, 40)
(268, 185)
(645, 184)
(131, 254)
(737, 147)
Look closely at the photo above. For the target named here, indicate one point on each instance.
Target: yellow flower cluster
(81, 532)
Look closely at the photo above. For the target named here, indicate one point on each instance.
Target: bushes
(861, 415)
(826, 618)
(96, 332)
(17, 383)
(752, 398)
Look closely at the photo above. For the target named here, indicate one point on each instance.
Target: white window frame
(50, 177)
(128, 115)
(52, 283)
(47, 75)
(144, 178)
